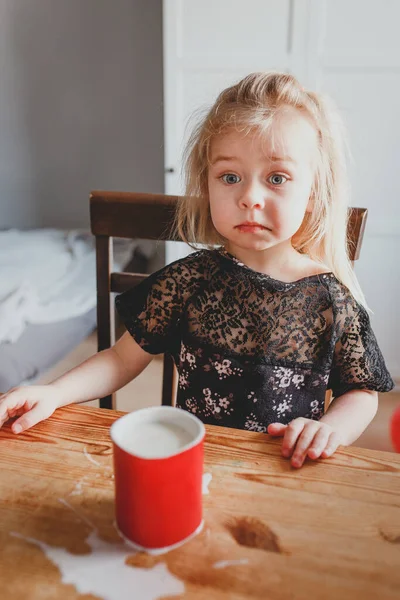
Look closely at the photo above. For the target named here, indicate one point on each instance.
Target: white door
(354, 56)
(211, 44)
(349, 49)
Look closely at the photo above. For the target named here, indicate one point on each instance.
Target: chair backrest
(149, 216)
(355, 231)
(126, 215)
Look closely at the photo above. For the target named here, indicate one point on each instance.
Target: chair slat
(143, 216)
(121, 282)
(355, 231)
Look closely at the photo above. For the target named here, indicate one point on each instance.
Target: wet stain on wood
(144, 560)
(393, 538)
(253, 533)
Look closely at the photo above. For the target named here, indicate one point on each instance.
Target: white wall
(80, 106)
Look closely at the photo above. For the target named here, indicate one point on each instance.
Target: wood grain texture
(329, 530)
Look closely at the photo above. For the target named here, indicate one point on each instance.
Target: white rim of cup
(162, 549)
(154, 410)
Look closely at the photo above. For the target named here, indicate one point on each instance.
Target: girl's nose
(252, 198)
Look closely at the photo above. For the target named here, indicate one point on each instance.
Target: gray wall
(80, 106)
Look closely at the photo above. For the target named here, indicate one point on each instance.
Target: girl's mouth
(250, 227)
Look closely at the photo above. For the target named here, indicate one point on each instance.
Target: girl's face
(260, 186)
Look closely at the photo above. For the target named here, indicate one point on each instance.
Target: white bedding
(49, 275)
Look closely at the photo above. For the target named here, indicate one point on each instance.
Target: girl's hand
(305, 437)
(32, 404)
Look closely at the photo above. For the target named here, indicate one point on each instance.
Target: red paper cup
(158, 468)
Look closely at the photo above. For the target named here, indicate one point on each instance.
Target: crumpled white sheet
(49, 275)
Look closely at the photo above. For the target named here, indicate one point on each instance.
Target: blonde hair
(250, 106)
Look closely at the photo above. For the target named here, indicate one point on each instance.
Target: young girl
(268, 318)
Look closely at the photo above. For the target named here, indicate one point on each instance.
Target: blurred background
(97, 94)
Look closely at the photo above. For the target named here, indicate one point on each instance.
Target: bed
(48, 296)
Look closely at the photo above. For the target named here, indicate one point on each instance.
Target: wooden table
(329, 530)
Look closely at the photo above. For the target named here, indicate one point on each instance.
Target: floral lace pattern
(251, 350)
(246, 393)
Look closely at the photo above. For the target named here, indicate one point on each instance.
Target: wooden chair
(355, 231)
(126, 215)
(149, 216)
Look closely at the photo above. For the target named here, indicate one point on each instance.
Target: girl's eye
(277, 179)
(230, 178)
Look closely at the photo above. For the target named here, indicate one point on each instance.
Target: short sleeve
(358, 362)
(151, 311)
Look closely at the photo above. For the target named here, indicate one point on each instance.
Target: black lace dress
(251, 350)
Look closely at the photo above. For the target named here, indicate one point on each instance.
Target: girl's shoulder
(198, 259)
(200, 264)
(307, 267)
(344, 306)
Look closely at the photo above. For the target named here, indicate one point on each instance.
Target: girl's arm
(344, 421)
(102, 374)
(351, 413)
